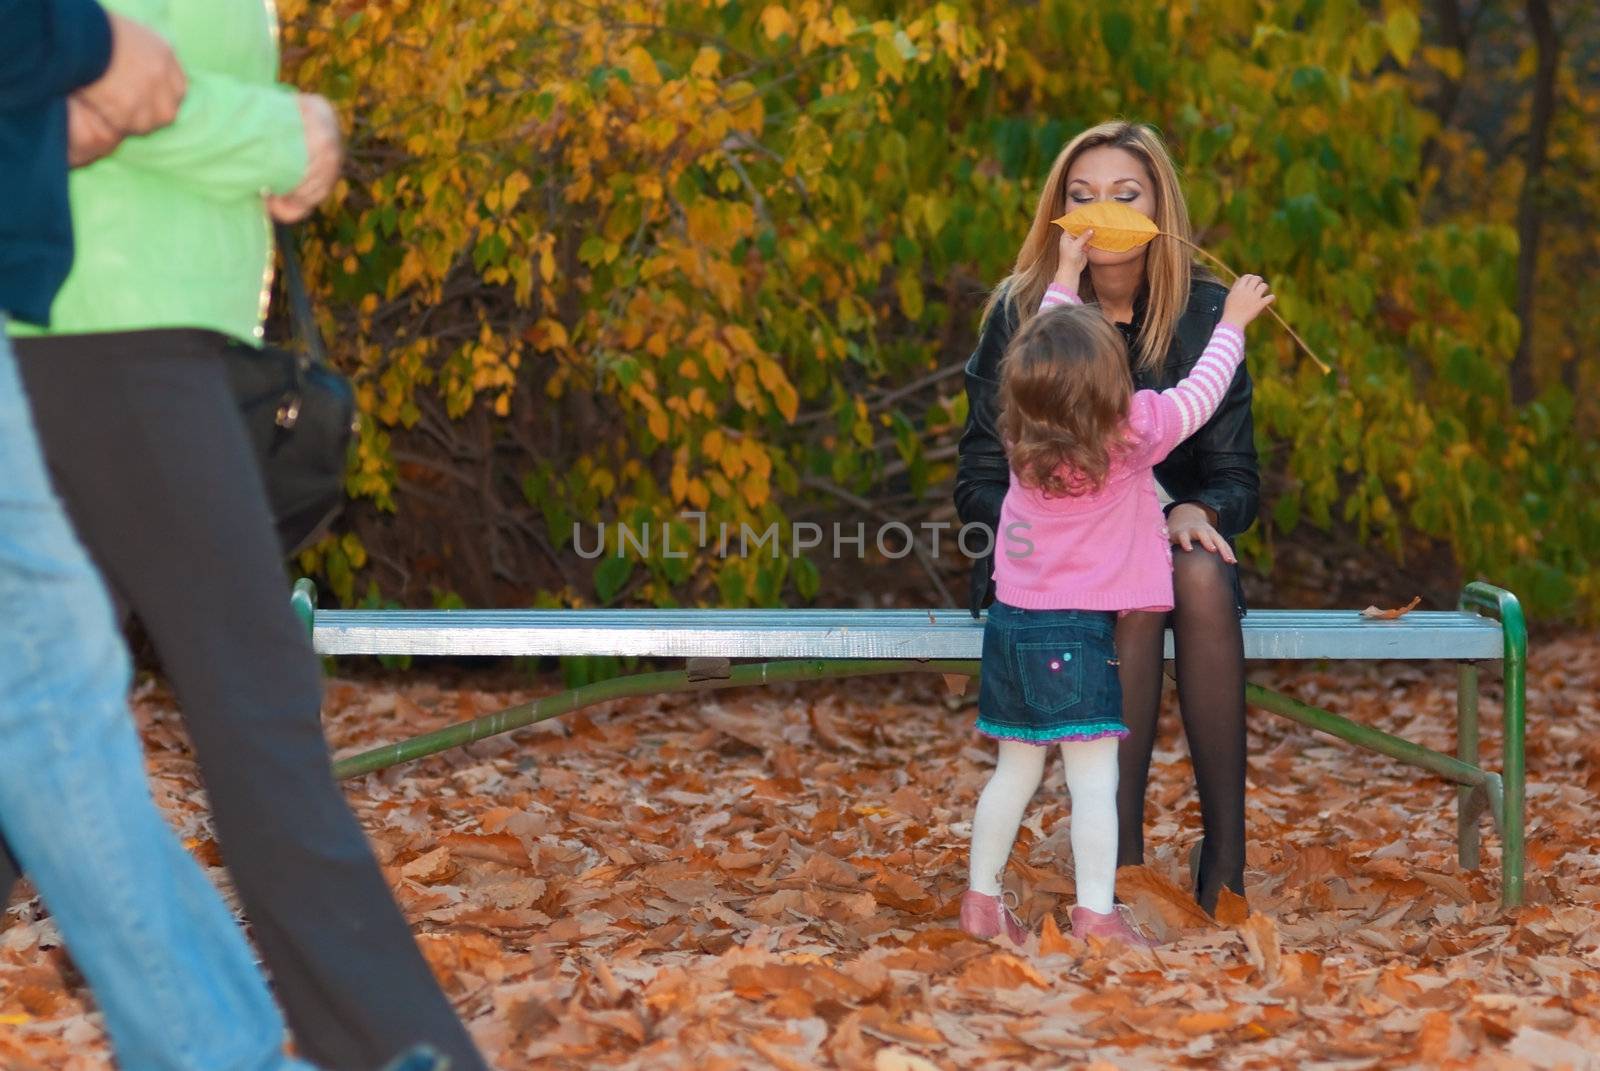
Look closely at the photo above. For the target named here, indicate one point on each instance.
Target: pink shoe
(983, 915)
(1112, 926)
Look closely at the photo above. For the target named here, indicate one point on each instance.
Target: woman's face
(1111, 174)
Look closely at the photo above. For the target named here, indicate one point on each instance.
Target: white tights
(1091, 767)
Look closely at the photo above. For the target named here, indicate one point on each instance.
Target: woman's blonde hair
(1168, 269)
(1065, 391)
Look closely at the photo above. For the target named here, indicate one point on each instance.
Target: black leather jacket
(1215, 467)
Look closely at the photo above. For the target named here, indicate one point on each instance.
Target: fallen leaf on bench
(1390, 615)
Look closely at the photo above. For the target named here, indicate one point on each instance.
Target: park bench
(816, 644)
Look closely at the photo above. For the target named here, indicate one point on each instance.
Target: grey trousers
(146, 447)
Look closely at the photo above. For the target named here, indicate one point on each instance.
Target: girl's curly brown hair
(1065, 390)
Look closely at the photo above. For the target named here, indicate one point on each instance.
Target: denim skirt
(1049, 675)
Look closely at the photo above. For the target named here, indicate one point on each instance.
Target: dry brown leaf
(733, 860)
(1000, 970)
(494, 847)
(824, 869)
(1197, 1023)
(1391, 615)
(1545, 1050)
(1232, 909)
(827, 731)
(893, 1059)
(431, 868)
(957, 683)
(815, 979)
(1261, 940)
(1144, 888)
(884, 1025)
(1051, 941)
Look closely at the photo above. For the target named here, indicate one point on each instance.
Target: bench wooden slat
(850, 633)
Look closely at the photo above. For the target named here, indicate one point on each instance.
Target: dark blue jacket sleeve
(48, 48)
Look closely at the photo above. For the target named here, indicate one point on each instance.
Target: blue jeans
(170, 970)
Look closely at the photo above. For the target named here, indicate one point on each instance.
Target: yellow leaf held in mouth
(1117, 228)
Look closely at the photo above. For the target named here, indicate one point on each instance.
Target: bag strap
(305, 321)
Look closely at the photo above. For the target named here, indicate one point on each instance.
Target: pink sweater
(1109, 550)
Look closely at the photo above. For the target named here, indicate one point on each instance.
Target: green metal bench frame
(901, 642)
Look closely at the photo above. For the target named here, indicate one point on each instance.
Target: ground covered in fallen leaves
(769, 879)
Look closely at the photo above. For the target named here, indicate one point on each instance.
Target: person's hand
(1189, 524)
(324, 156)
(1246, 300)
(1072, 255)
(89, 136)
(143, 85)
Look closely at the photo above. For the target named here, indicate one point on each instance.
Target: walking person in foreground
(170, 970)
(144, 439)
(1084, 558)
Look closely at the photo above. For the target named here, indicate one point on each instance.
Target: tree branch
(1530, 206)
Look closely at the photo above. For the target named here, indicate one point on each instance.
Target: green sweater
(172, 229)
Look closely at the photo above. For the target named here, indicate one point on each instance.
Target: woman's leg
(1017, 773)
(152, 460)
(169, 968)
(1091, 767)
(1139, 636)
(1210, 655)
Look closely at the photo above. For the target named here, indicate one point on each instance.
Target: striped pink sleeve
(1056, 295)
(1200, 393)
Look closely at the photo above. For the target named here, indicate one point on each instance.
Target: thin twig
(1218, 262)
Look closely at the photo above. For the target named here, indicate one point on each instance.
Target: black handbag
(300, 415)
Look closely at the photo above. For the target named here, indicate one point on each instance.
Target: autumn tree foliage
(625, 260)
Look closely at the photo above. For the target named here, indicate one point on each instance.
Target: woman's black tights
(1210, 663)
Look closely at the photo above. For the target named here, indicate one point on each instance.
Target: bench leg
(1497, 602)
(1512, 863)
(303, 600)
(1467, 751)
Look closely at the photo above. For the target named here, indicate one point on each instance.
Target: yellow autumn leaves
(1117, 228)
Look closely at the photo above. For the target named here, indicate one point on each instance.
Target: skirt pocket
(1051, 674)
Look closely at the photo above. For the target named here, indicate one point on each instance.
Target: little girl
(1082, 542)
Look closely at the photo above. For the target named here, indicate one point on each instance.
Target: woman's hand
(1190, 523)
(143, 85)
(1072, 255)
(89, 135)
(1248, 298)
(324, 157)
